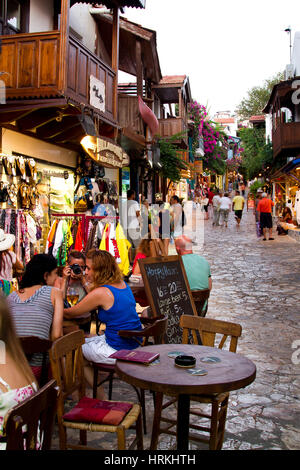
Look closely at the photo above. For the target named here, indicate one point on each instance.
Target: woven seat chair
(67, 368)
(212, 435)
(153, 328)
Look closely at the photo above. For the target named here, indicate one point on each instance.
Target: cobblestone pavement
(255, 283)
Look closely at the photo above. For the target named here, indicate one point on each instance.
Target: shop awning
(287, 169)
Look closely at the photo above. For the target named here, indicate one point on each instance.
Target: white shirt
(225, 203)
(216, 201)
(132, 208)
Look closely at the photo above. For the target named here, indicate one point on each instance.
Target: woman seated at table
(144, 250)
(116, 306)
(286, 218)
(16, 378)
(37, 308)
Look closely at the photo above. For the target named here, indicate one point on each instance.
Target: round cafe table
(233, 372)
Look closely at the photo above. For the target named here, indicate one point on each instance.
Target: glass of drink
(72, 296)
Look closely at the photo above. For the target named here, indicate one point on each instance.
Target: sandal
(271, 238)
(264, 239)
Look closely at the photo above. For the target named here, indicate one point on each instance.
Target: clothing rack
(85, 221)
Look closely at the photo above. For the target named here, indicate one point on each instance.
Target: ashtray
(185, 361)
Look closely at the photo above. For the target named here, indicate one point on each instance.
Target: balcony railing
(286, 137)
(171, 126)
(33, 66)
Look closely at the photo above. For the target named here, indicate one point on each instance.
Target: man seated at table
(197, 267)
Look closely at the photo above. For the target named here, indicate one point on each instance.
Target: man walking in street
(133, 215)
(238, 203)
(264, 208)
(216, 201)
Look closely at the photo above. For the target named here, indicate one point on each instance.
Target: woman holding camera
(116, 306)
(75, 287)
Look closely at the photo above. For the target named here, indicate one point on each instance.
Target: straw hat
(6, 240)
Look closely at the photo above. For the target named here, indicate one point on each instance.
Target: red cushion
(97, 411)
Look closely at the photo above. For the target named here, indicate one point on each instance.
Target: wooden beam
(9, 117)
(115, 58)
(64, 44)
(139, 69)
(55, 128)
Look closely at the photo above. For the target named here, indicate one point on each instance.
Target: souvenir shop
(95, 222)
(286, 189)
(33, 186)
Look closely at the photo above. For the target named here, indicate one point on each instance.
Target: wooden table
(232, 373)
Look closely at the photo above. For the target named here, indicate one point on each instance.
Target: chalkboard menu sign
(168, 291)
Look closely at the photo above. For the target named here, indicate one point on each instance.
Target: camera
(76, 269)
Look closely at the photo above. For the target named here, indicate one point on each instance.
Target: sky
(226, 47)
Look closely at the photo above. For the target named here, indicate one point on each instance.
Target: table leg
(183, 422)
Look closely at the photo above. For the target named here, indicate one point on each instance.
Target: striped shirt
(33, 316)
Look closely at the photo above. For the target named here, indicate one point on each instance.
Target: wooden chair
(200, 297)
(208, 329)
(154, 328)
(67, 368)
(36, 412)
(33, 344)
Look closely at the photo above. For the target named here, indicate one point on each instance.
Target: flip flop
(264, 239)
(271, 238)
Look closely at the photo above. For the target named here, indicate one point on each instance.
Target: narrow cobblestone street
(256, 284)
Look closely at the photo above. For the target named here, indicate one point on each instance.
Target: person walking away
(205, 204)
(243, 187)
(238, 203)
(8, 258)
(216, 201)
(133, 223)
(265, 215)
(176, 217)
(225, 206)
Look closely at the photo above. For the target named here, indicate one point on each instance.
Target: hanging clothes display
(109, 242)
(25, 226)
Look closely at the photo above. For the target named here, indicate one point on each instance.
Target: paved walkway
(256, 284)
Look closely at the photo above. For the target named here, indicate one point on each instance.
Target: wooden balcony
(286, 139)
(37, 68)
(174, 125)
(128, 114)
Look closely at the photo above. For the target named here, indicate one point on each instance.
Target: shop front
(34, 186)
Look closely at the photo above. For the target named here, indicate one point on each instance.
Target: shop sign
(97, 93)
(198, 166)
(111, 154)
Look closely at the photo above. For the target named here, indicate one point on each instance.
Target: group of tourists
(222, 205)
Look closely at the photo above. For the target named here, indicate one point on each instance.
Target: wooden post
(115, 61)
(64, 45)
(139, 69)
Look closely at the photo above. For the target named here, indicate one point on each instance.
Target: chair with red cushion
(88, 415)
(154, 328)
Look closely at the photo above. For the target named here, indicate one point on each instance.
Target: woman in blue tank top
(115, 303)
